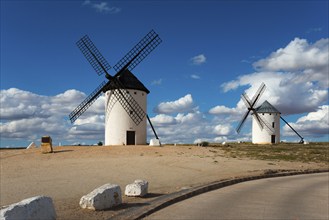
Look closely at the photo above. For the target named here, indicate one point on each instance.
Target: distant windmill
(125, 95)
(266, 120)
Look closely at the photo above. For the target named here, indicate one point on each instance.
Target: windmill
(266, 120)
(125, 95)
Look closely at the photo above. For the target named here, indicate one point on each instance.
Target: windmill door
(130, 138)
(273, 139)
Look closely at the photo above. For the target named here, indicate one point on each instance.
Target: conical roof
(266, 107)
(130, 81)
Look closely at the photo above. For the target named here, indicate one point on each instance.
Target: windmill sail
(80, 109)
(92, 54)
(139, 52)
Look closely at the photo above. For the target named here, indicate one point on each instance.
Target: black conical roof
(130, 81)
(266, 107)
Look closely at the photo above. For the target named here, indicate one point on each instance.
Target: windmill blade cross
(250, 105)
(101, 66)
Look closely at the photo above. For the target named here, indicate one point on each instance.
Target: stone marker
(46, 145)
(104, 197)
(138, 188)
(35, 208)
(155, 142)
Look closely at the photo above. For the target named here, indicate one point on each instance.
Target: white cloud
(102, 7)
(223, 129)
(199, 59)
(86, 2)
(220, 109)
(297, 55)
(296, 77)
(28, 116)
(163, 120)
(195, 76)
(181, 105)
(311, 125)
(156, 82)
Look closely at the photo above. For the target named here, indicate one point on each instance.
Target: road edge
(169, 199)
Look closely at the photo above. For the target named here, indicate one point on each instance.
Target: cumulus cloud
(297, 55)
(313, 124)
(199, 59)
(28, 116)
(296, 77)
(220, 109)
(163, 120)
(180, 105)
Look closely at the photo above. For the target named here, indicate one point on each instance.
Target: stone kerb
(138, 188)
(104, 197)
(35, 208)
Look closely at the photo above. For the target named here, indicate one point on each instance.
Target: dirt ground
(71, 172)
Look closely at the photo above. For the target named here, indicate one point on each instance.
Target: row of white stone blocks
(103, 197)
(109, 195)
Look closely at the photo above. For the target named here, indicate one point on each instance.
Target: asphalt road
(294, 197)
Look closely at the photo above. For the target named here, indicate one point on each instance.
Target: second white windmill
(265, 120)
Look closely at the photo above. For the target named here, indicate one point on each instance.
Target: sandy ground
(72, 172)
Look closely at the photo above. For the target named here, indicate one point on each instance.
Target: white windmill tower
(125, 95)
(120, 129)
(269, 132)
(266, 120)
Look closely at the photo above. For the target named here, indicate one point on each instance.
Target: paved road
(295, 197)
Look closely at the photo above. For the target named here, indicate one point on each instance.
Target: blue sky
(212, 51)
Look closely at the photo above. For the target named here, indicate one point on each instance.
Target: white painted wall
(117, 121)
(263, 136)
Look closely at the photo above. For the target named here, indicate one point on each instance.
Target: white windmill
(265, 120)
(125, 95)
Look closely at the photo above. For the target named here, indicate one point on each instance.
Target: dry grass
(313, 152)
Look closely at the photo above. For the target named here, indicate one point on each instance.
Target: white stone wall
(263, 136)
(118, 122)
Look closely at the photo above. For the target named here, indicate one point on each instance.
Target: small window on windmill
(272, 124)
(135, 93)
(131, 112)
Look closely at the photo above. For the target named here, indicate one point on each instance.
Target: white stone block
(155, 142)
(138, 188)
(35, 208)
(104, 197)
